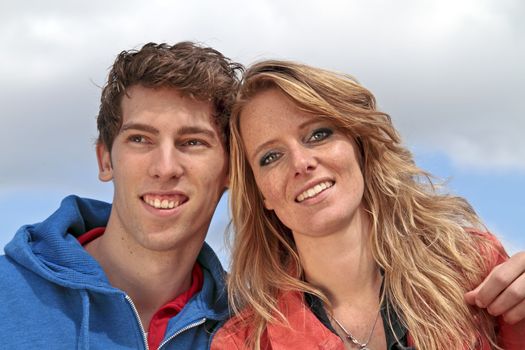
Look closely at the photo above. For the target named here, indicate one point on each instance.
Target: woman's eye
(320, 134)
(269, 158)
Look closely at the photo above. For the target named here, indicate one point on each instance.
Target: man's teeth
(162, 204)
(309, 193)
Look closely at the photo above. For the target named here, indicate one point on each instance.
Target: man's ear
(105, 169)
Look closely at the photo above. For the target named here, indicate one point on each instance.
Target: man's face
(169, 167)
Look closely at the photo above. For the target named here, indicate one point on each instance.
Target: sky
(449, 73)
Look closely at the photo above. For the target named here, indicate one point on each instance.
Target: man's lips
(164, 201)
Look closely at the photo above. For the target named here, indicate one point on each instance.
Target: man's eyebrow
(140, 127)
(185, 130)
(189, 130)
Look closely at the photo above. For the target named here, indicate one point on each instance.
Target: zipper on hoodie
(184, 329)
(137, 317)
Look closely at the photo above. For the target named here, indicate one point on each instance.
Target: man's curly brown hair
(197, 71)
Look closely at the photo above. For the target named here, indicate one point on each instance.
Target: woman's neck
(341, 264)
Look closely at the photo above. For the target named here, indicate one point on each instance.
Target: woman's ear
(267, 205)
(105, 168)
(227, 181)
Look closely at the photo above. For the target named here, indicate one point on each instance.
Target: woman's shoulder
(232, 335)
(300, 330)
(235, 333)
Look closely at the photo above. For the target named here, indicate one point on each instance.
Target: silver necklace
(349, 336)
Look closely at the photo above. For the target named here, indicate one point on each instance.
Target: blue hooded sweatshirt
(54, 295)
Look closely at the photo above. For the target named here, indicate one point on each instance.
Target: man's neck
(150, 278)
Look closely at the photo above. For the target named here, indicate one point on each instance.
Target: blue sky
(498, 197)
(450, 73)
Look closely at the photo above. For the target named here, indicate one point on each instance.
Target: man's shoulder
(16, 277)
(8, 269)
(23, 292)
(37, 313)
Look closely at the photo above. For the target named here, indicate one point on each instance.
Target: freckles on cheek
(268, 189)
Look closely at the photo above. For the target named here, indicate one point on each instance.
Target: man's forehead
(148, 103)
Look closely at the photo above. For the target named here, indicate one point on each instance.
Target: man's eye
(269, 158)
(193, 143)
(137, 139)
(320, 134)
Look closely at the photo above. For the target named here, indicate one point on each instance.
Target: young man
(137, 274)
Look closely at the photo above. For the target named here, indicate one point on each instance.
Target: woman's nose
(303, 160)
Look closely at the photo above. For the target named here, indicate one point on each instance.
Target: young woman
(341, 240)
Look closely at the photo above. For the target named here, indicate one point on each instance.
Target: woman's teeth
(311, 192)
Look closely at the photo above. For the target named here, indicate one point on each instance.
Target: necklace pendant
(364, 348)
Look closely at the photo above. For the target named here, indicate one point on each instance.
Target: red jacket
(307, 332)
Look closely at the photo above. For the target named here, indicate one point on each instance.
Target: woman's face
(306, 169)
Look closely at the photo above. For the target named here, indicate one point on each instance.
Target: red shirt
(159, 321)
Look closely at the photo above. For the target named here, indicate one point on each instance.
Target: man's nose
(166, 163)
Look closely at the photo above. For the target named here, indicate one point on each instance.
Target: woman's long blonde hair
(418, 235)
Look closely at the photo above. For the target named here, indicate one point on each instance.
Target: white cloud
(449, 72)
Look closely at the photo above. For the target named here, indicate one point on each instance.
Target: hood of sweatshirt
(50, 248)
